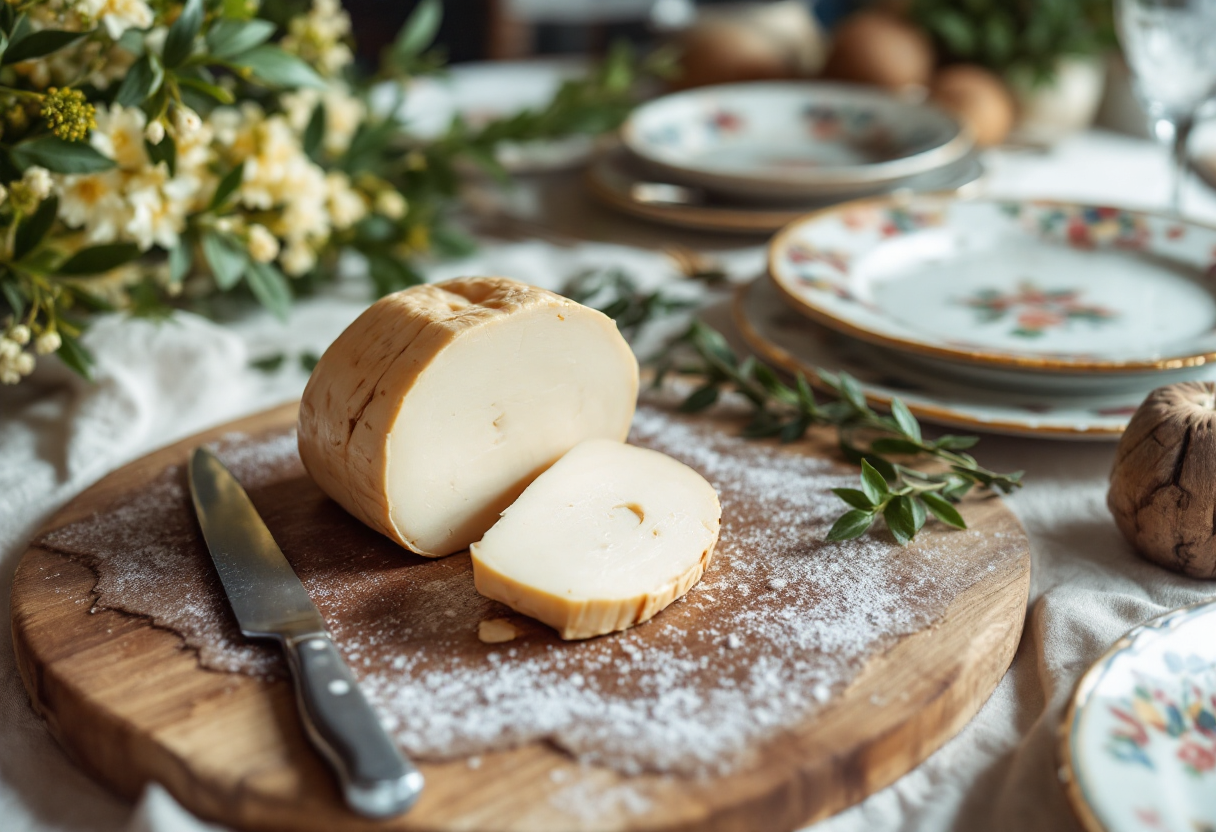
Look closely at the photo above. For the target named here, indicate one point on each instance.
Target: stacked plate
(754, 157)
(1040, 318)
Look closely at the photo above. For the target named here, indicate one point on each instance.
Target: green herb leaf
(943, 510)
(956, 443)
(419, 31)
(228, 38)
(855, 498)
(700, 399)
(12, 294)
(181, 259)
(98, 259)
(73, 354)
(212, 91)
(143, 79)
(226, 257)
(900, 521)
(314, 133)
(272, 66)
(852, 524)
(227, 186)
(270, 287)
(308, 361)
(851, 391)
(269, 363)
(32, 229)
(165, 152)
(873, 483)
(180, 41)
(891, 445)
(904, 418)
(390, 274)
(918, 514)
(59, 156)
(37, 44)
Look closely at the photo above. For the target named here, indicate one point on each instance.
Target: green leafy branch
(883, 445)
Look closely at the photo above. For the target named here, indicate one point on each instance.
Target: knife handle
(378, 781)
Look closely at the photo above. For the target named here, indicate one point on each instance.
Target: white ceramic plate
(783, 337)
(791, 140)
(1032, 286)
(1138, 743)
(617, 179)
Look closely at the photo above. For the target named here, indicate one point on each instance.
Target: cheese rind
(434, 410)
(605, 539)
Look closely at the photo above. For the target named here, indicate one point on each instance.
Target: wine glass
(1170, 46)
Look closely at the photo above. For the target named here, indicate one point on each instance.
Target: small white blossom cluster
(319, 37)
(101, 62)
(15, 361)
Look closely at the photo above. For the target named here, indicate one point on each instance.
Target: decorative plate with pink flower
(1037, 287)
(792, 140)
(1139, 739)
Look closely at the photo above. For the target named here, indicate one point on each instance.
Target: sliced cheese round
(603, 540)
(433, 411)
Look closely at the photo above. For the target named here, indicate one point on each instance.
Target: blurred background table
(60, 434)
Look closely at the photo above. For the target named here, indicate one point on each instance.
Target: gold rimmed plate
(784, 338)
(618, 180)
(1036, 287)
(1138, 741)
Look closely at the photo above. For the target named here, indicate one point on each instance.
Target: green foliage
(1022, 38)
(881, 445)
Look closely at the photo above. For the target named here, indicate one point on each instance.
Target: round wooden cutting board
(131, 705)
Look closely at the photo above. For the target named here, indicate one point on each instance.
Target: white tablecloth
(157, 383)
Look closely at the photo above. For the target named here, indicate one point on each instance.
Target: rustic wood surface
(130, 706)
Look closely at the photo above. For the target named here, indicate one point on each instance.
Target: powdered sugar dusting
(779, 624)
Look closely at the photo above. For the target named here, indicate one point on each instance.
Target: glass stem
(1182, 132)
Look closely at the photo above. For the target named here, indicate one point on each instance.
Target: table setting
(560, 444)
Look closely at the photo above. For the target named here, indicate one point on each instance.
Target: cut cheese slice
(433, 411)
(603, 540)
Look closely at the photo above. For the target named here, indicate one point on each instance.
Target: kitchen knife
(270, 602)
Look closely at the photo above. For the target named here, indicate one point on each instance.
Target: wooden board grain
(131, 706)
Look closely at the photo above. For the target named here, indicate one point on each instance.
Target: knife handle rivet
(339, 687)
(317, 644)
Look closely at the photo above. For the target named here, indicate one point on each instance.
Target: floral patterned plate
(1037, 287)
(617, 179)
(785, 338)
(791, 140)
(1138, 743)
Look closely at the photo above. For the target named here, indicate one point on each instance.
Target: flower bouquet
(153, 153)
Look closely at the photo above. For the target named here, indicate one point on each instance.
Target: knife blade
(270, 602)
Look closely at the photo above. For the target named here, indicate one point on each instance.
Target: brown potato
(876, 47)
(978, 98)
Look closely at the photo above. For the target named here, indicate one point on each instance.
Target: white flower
(38, 180)
(95, 202)
(299, 105)
(346, 205)
(186, 121)
(24, 363)
(20, 334)
(317, 36)
(298, 258)
(9, 350)
(47, 343)
(9, 377)
(119, 135)
(263, 246)
(159, 205)
(343, 115)
(391, 204)
(3, 193)
(118, 15)
(155, 132)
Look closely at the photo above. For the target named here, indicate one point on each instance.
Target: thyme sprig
(903, 496)
(883, 445)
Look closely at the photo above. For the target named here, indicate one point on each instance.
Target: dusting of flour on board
(779, 624)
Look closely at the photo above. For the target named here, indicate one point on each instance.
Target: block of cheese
(603, 540)
(434, 410)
